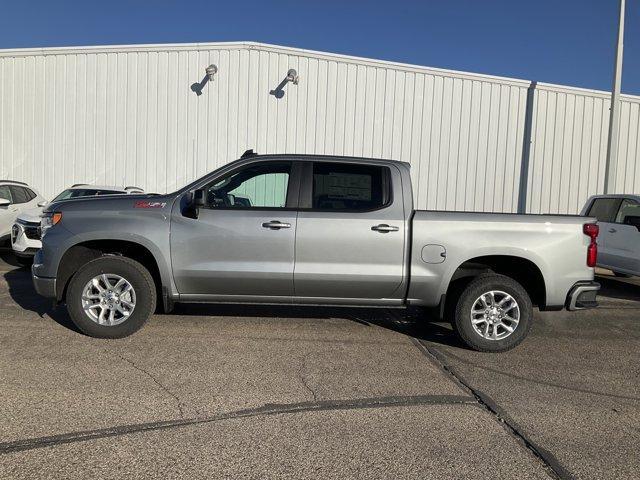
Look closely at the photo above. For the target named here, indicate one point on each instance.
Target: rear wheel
(493, 313)
(111, 297)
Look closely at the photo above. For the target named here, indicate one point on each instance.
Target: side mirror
(199, 198)
(4, 202)
(633, 220)
(43, 203)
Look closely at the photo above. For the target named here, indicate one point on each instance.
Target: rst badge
(147, 204)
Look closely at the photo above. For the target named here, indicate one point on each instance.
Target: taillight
(591, 230)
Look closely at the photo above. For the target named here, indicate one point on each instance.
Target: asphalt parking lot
(266, 392)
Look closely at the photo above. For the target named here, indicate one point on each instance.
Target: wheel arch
(80, 253)
(521, 269)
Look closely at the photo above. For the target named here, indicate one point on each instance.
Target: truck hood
(32, 215)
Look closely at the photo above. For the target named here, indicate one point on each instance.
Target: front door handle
(384, 228)
(612, 230)
(276, 225)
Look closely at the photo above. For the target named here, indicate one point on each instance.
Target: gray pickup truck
(311, 230)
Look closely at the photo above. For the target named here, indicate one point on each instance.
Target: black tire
(621, 275)
(477, 287)
(134, 273)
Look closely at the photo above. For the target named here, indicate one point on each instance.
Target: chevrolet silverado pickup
(311, 230)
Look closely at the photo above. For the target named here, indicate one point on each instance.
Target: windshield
(83, 192)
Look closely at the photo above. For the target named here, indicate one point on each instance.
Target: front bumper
(23, 239)
(44, 286)
(28, 253)
(582, 296)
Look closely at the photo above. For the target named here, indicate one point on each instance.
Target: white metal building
(146, 115)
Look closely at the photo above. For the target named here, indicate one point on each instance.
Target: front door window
(259, 186)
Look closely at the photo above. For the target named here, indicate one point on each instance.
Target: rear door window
(350, 187)
(19, 194)
(604, 209)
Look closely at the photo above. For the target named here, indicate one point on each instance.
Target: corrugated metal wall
(568, 150)
(129, 115)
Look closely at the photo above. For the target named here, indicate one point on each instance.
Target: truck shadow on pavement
(7, 256)
(416, 323)
(23, 294)
(621, 289)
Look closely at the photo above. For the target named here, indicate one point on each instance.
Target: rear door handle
(612, 230)
(276, 225)
(384, 228)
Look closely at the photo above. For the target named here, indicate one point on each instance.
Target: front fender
(156, 249)
(150, 231)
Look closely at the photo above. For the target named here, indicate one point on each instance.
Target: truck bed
(443, 241)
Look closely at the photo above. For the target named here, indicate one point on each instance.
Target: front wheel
(493, 314)
(111, 297)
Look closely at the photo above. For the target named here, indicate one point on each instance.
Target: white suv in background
(25, 233)
(619, 237)
(15, 198)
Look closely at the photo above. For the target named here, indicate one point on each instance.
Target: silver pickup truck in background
(619, 239)
(311, 230)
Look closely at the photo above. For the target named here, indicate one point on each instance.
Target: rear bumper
(582, 296)
(45, 286)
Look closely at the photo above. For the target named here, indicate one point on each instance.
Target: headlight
(49, 220)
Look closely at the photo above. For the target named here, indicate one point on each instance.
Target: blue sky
(559, 41)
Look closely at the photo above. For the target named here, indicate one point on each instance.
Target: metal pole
(612, 140)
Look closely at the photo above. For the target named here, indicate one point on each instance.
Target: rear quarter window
(30, 193)
(604, 209)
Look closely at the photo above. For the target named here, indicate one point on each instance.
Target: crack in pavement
(156, 381)
(268, 409)
(540, 382)
(552, 465)
(303, 378)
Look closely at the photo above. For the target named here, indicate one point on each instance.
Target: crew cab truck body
(311, 230)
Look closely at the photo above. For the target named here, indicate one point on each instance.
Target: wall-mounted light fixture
(292, 76)
(211, 71)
